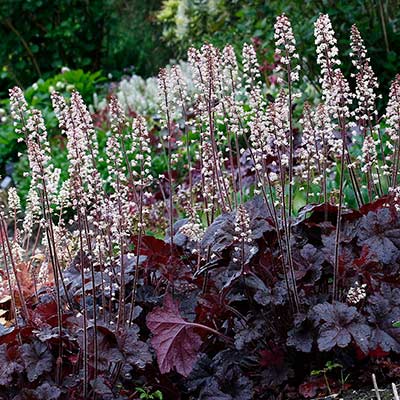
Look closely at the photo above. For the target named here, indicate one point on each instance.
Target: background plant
(41, 37)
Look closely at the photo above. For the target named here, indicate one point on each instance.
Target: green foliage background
(41, 36)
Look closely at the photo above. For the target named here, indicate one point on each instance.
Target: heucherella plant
(337, 96)
(252, 206)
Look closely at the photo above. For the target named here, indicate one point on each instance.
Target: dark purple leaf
(8, 367)
(301, 336)
(48, 391)
(174, 340)
(100, 387)
(37, 359)
(219, 235)
(72, 274)
(213, 392)
(383, 340)
(238, 388)
(274, 375)
(308, 264)
(341, 324)
(47, 333)
(247, 332)
(331, 336)
(382, 312)
(200, 374)
(232, 385)
(380, 231)
(277, 296)
(135, 351)
(220, 378)
(107, 347)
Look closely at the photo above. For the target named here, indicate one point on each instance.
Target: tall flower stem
(335, 294)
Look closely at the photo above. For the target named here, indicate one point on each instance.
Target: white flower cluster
(193, 229)
(260, 144)
(19, 110)
(395, 192)
(206, 68)
(33, 211)
(356, 293)
(251, 75)
(230, 69)
(214, 106)
(365, 113)
(369, 154)
(366, 81)
(285, 44)
(129, 172)
(141, 151)
(310, 151)
(242, 226)
(174, 104)
(340, 97)
(43, 174)
(14, 202)
(277, 125)
(393, 129)
(327, 51)
(115, 153)
(242, 233)
(335, 89)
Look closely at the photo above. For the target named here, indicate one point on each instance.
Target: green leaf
(316, 372)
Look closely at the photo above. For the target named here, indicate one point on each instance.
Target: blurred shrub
(39, 37)
(134, 40)
(141, 96)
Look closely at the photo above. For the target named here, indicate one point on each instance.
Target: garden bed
(242, 245)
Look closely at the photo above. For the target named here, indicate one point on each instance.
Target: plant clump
(259, 261)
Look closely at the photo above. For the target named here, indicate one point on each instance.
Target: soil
(364, 394)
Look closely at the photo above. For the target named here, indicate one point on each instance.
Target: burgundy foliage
(214, 331)
(174, 339)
